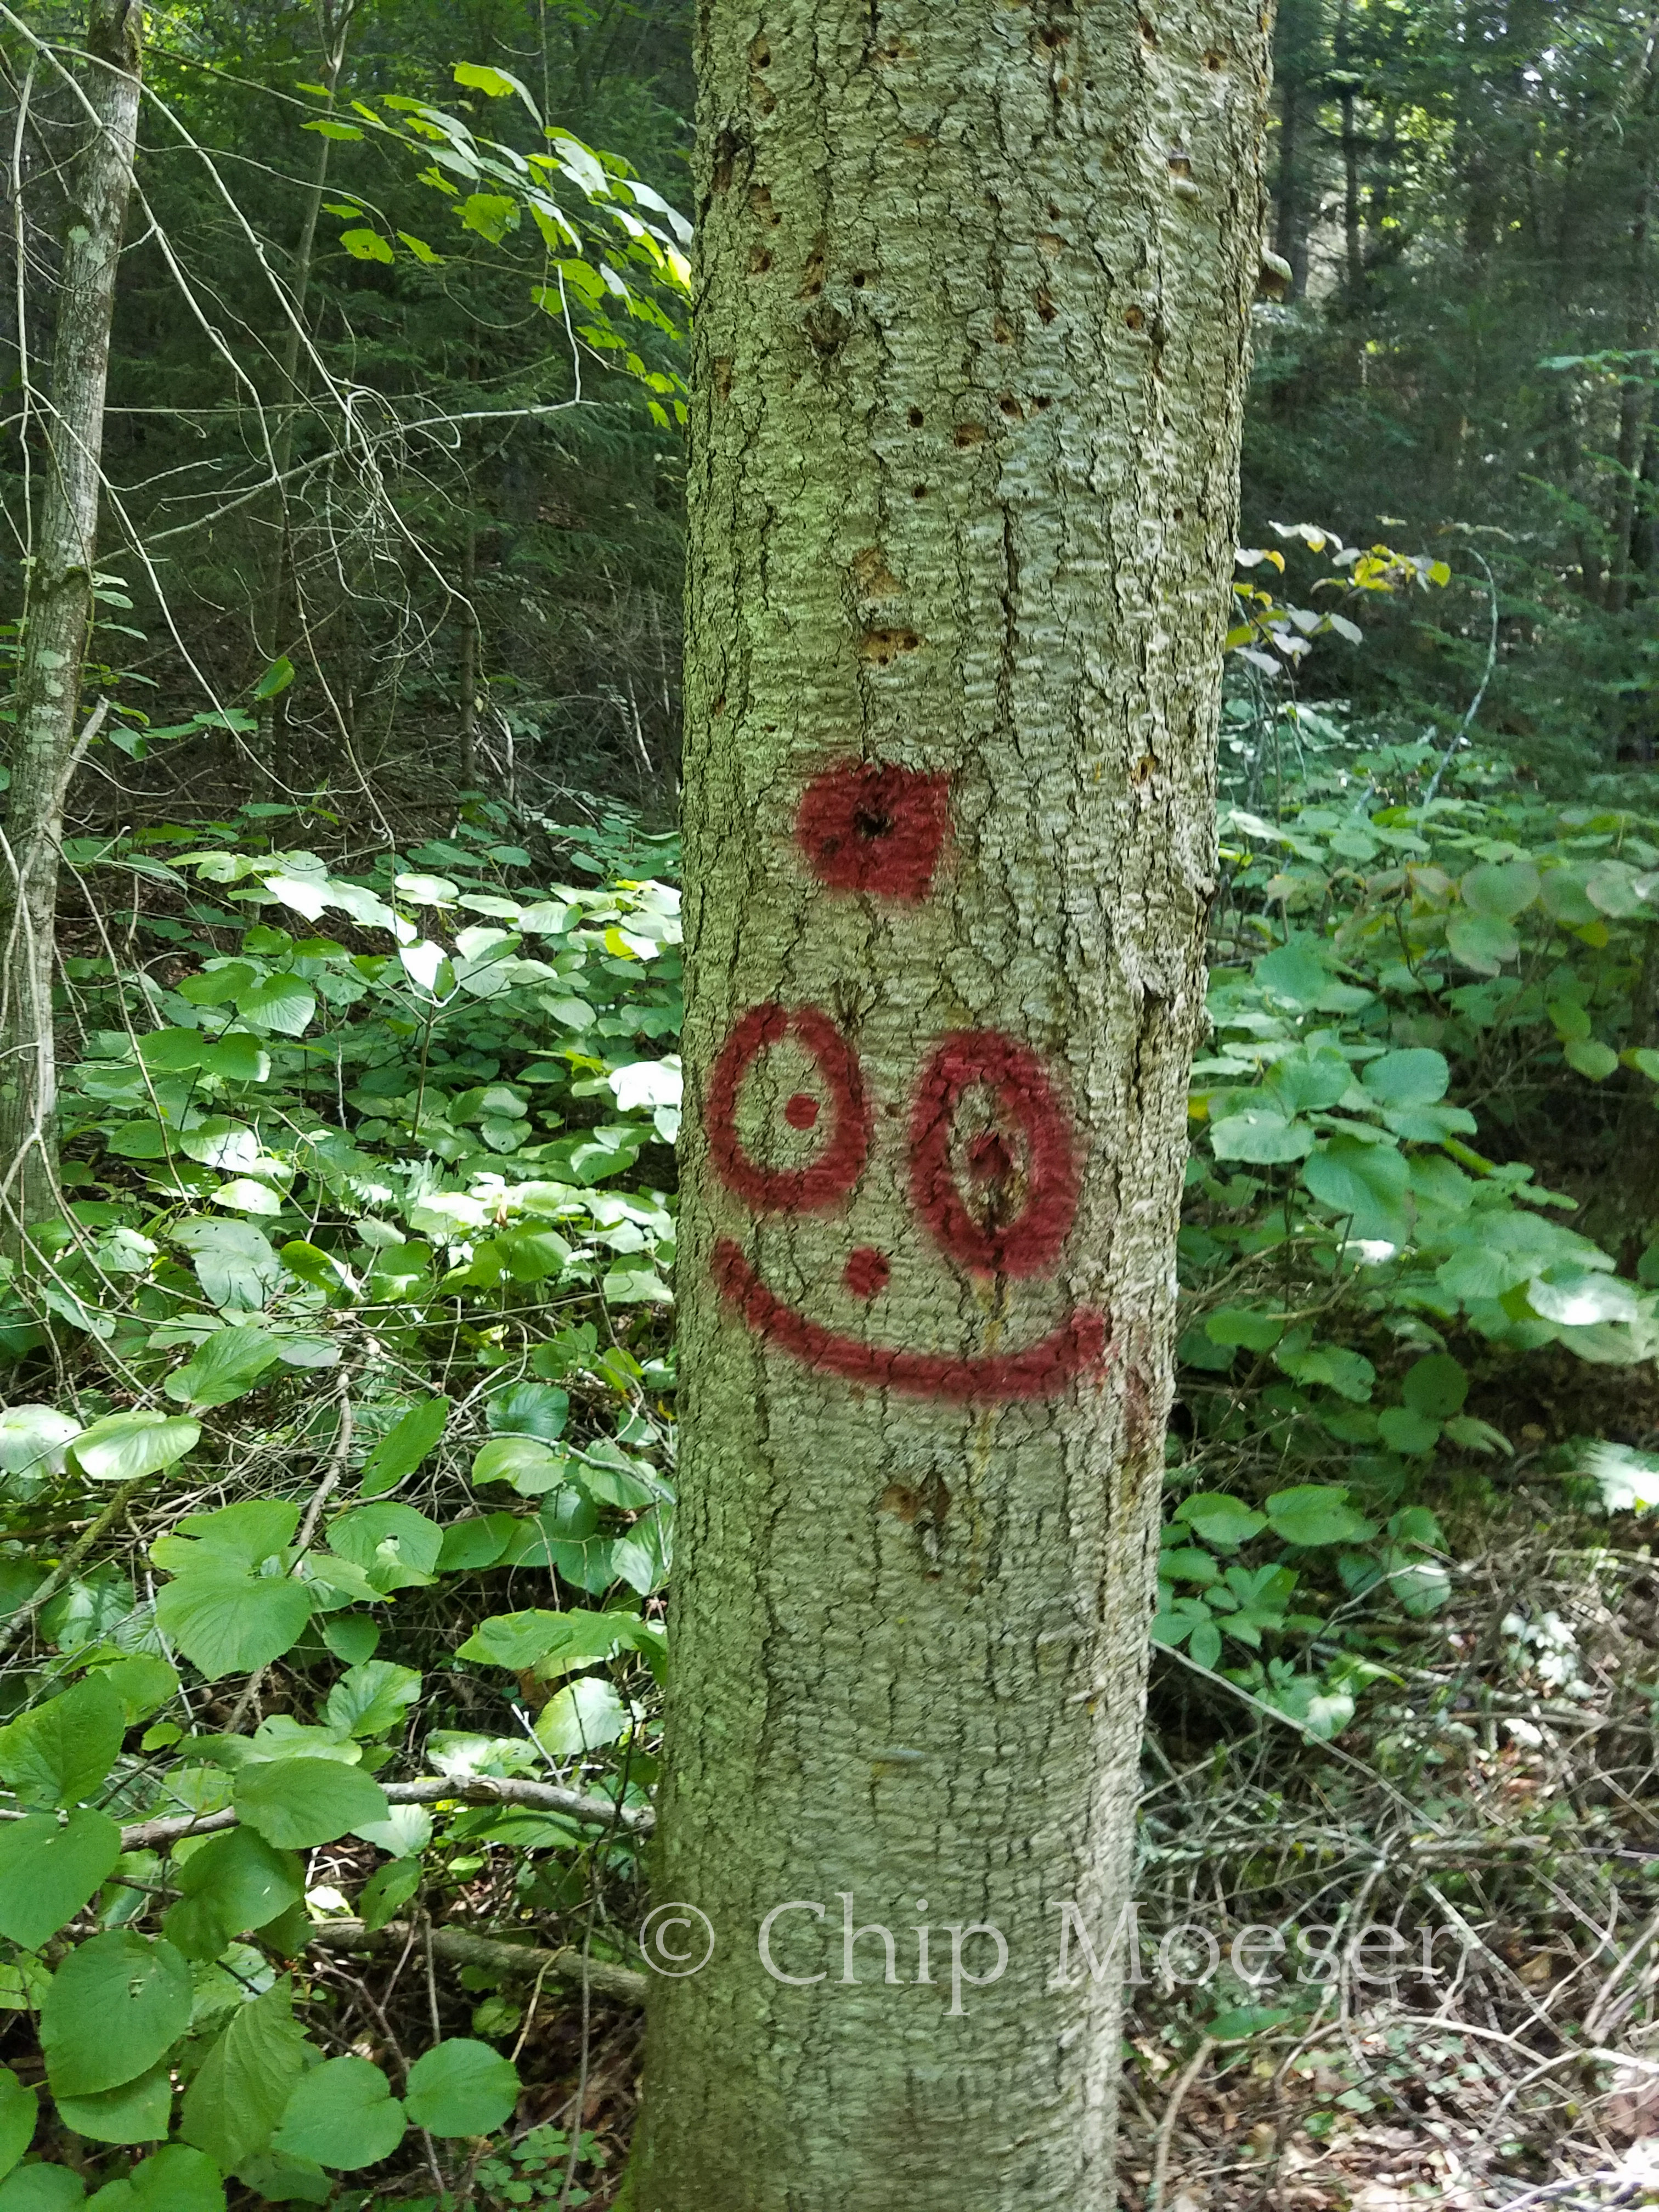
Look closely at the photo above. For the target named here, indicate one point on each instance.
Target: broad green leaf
(47, 1872)
(1573, 1299)
(350, 1637)
(124, 1445)
(1611, 888)
(170, 1051)
(237, 1535)
(1500, 888)
(607, 1473)
(1565, 894)
(1296, 973)
(388, 1890)
(1308, 1078)
(280, 2179)
(1185, 1563)
(1367, 1183)
(427, 891)
(460, 2087)
(404, 1833)
(362, 245)
(1590, 1057)
(231, 1884)
(244, 1195)
(373, 1698)
(114, 2007)
(280, 674)
(297, 1802)
(1261, 1135)
(1350, 1374)
(1436, 1385)
(177, 2179)
(42, 2188)
(217, 987)
(235, 1263)
(20, 2108)
(403, 1448)
(1482, 942)
(396, 1546)
(1410, 1433)
(552, 1643)
(137, 2112)
(478, 76)
(342, 2114)
(529, 1409)
(32, 1441)
(230, 1622)
(234, 2104)
(61, 1752)
(89, 1611)
(582, 1717)
(1422, 1586)
(285, 1003)
(237, 1057)
(642, 1557)
(492, 215)
(1225, 1522)
(1414, 1077)
(532, 1467)
(479, 1540)
(1315, 1513)
(229, 1366)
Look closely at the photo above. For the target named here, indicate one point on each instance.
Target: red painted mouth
(1077, 1346)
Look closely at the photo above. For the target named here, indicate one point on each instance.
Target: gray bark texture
(57, 616)
(971, 345)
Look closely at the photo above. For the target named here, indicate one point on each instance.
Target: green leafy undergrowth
(362, 1308)
(1404, 992)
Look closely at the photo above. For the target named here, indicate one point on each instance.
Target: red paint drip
(802, 1111)
(828, 1179)
(1077, 1346)
(1032, 1240)
(863, 827)
(866, 1272)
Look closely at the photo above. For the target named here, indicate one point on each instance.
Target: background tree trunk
(58, 618)
(971, 346)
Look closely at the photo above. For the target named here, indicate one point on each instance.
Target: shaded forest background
(1463, 360)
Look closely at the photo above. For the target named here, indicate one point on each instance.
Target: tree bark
(58, 618)
(970, 349)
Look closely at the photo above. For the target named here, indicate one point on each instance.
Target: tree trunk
(58, 618)
(970, 351)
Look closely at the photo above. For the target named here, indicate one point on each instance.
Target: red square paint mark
(863, 827)
(866, 1272)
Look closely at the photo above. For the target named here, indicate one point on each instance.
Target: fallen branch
(519, 1961)
(432, 1789)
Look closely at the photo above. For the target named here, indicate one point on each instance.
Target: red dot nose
(866, 1272)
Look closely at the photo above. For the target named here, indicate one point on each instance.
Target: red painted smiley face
(992, 1161)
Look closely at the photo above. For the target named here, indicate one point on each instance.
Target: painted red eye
(1000, 1195)
(828, 1179)
(866, 827)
